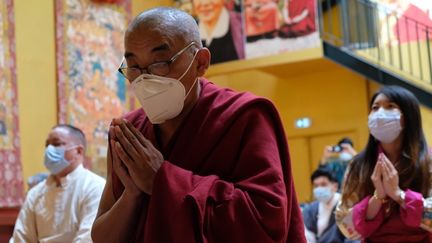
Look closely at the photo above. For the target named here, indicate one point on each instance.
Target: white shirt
(63, 213)
(324, 212)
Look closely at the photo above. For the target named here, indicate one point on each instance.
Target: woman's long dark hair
(414, 165)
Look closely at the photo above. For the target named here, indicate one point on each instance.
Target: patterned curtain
(89, 38)
(11, 181)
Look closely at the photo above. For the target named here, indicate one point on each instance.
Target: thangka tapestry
(89, 39)
(239, 29)
(220, 24)
(11, 182)
(277, 26)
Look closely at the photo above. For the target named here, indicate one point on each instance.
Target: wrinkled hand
(122, 173)
(390, 177)
(377, 180)
(139, 156)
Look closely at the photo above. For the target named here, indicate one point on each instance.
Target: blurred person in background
(61, 208)
(318, 215)
(336, 158)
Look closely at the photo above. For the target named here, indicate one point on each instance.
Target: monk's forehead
(144, 33)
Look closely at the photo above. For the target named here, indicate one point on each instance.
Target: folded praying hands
(135, 159)
(385, 178)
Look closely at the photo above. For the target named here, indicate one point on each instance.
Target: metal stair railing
(382, 36)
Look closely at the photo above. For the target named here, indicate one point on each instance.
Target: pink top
(402, 226)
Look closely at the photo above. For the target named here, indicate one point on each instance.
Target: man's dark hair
(346, 140)
(77, 133)
(323, 172)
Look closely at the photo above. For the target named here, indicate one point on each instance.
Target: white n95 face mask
(385, 125)
(162, 98)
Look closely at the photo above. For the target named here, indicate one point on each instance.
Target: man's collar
(64, 181)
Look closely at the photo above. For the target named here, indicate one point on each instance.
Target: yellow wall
(140, 5)
(36, 79)
(333, 97)
(427, 123)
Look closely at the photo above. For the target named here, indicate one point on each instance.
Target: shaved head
(172, 22)
(165, 35)
(76, 134)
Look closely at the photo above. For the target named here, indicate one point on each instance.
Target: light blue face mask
(323, 194)
(345, 156)
(54, 159)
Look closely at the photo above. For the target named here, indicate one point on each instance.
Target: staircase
(381, 42)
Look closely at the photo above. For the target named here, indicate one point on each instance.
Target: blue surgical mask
(323, 194)
(55, 160)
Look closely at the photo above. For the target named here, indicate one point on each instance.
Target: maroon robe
(226, 175)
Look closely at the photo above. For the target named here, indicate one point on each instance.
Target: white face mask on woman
(162, 98)
(385, 125)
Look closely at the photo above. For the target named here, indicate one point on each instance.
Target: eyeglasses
(157, 68)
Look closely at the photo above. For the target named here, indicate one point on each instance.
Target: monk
(197, 163)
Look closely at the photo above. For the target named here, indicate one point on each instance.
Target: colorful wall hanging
(11, 182)
(89, 38)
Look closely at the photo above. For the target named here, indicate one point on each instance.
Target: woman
(386, 190)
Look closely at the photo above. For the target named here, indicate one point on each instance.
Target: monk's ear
(203, 57)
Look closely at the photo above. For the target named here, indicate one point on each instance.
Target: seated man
(63, 207)
(337, 158)
(319, 216)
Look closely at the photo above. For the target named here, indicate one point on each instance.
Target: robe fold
(226, 175)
